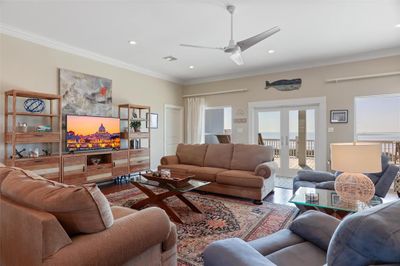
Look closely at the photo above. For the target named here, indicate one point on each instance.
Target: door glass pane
(269, 125)
(302, 139)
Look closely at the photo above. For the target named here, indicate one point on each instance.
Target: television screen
(92, 133)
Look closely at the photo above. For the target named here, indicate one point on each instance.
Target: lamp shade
(356, 157)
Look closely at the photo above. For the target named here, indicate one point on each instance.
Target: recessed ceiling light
(191, 67)
(170, 58)
(397, 26)
(132, 42)
(271, 51)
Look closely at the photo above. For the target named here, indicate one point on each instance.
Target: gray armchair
(370, 237)
(326, 180)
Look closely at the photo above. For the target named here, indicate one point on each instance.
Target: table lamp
(353, 159)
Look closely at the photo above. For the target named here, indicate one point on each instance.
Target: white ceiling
(313, 32)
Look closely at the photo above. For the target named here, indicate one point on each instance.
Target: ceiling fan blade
(237, 57)
(247, 43)
(203, 47)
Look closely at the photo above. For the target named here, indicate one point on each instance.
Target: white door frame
(176, 107)
(321, 146)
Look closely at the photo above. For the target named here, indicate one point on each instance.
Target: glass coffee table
(158, 199)
(329, 202)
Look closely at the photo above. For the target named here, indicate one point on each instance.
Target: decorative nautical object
(34, 105)
(284, 84)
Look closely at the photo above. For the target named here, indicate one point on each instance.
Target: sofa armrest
(171, 240)
(383, 184)
(233, 251)
(127, 238)
(315, 227)
(170, 159)
(27, 236)
(266, 169)
(330, 185)
(315, 176)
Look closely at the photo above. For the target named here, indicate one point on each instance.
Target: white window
(377, 118)
(218, 121)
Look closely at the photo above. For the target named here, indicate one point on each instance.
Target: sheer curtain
(195, 108)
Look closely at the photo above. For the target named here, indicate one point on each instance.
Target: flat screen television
(85, 133)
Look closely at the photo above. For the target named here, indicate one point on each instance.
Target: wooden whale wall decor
(284, 84)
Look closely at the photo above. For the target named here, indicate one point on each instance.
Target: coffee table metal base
(158, 199)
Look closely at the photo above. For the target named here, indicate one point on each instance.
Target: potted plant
(135, 123)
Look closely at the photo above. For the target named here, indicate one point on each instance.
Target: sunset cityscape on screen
(90, 133)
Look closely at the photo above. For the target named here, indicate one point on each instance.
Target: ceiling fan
(236, 48)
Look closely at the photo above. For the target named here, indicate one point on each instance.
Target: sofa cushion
(298, 184)
(367, 237)
(240, 178)
(219, 155)
(4, 171)
(119, 212)
(246, 157)
(79, 209)
(192, 154)
(208, 174)
(275, 241)
(182, 168)
(303, 253)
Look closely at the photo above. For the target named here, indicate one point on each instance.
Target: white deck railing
(390, 148)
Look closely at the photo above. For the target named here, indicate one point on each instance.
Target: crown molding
(50, 43)
(299, 66)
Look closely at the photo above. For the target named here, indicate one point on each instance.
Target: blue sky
(378, 114)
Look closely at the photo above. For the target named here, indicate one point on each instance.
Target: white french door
(173, 128)
(293, 132)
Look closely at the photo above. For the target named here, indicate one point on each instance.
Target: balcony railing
(276, 143)
(389, 148)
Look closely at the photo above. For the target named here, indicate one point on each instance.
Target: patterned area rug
(222, 217)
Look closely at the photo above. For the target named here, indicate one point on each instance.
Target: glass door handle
(287, 140)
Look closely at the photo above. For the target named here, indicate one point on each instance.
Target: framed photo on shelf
(339, 116)
(152, 120)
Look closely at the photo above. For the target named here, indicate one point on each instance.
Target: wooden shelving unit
(47, 166)
(138, 143)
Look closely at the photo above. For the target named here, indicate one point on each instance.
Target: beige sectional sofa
(240, 170)
(47, 223)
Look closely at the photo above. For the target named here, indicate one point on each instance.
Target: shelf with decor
(32, 130)
(135, 131)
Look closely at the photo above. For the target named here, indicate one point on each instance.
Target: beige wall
(29, 66)
(338, 96)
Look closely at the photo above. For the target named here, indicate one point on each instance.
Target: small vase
(136, 129)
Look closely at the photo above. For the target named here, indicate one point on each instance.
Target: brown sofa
(48, 223)
(241, 170)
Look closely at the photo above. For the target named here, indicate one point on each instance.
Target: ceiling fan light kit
(236, 48)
